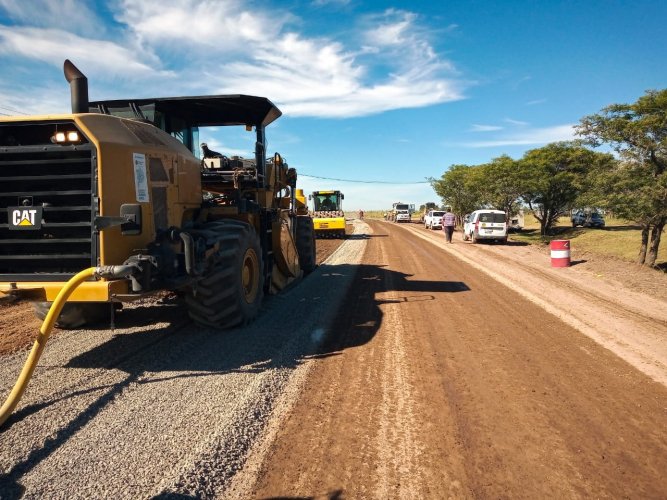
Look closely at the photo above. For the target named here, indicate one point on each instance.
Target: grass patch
(616, 240)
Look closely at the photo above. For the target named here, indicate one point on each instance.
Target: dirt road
(431, 386)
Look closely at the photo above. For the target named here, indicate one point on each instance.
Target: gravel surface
(159, 408)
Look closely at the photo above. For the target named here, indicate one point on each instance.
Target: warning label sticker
(140, 177)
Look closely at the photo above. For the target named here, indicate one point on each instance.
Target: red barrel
(560, 253)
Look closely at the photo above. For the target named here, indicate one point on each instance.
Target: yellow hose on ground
(37, 349)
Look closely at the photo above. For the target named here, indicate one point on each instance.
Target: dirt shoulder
(618, 304)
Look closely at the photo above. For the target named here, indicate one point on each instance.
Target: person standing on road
(448, 224)
(361, 214)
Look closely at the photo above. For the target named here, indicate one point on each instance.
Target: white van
(486, 225)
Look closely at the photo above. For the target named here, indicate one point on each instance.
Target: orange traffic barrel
(560, 253)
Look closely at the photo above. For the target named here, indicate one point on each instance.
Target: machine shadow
(192, 352)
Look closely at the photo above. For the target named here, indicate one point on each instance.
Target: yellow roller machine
(328, 216)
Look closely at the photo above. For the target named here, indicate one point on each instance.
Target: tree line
(551, 180)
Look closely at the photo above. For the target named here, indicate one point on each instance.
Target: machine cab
(327, 201)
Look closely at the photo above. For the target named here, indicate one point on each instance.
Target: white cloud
(387, 62)
(539, 101)
(20, 101)
(317, 77)
(527, 137)
(53, 46)
(305, 76)
(223, 25)
(328, 2)
(393, 29)
(517, 122)
(484, 128)
(75, 14)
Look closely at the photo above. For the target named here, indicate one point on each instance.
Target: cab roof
(201, 111)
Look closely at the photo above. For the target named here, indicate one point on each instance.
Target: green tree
(636, 189)
(501, 183)
(456, 188)
(554, 179)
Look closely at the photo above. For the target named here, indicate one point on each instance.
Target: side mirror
(310, 197)
(342, 196)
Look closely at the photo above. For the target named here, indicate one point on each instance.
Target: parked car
(486, 225)
(587, 220)
(579, 219)
(433, 219)
(595, 220)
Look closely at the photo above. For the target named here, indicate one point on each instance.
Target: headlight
(60, 136)
(72, 136)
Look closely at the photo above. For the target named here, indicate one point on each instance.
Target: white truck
(402, 212)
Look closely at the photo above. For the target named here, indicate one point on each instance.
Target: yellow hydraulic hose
(37, 349)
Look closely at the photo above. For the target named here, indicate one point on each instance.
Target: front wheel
(464, 236)
(305, 243)
(230, 294)
(473, 239)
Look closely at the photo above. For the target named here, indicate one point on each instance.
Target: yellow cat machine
(119, 186)
(111, 203)
(328, 216)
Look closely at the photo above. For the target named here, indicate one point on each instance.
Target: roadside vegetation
(618, 239)
(551, 181)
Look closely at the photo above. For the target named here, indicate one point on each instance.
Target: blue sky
(375, 91)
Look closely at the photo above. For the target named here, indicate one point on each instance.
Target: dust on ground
(18, 327)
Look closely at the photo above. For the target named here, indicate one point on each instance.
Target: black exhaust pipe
(79, 86)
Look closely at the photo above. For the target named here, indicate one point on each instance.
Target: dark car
(595, 220)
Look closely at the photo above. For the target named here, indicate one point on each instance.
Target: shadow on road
(180, 348)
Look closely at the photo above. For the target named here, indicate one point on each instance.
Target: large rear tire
(230, 294)
(75, 314)
(306, 244)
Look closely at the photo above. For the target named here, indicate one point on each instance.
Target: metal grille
(61, 179)
(160, 216)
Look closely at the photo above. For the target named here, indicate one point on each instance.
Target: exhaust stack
(79, 87)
